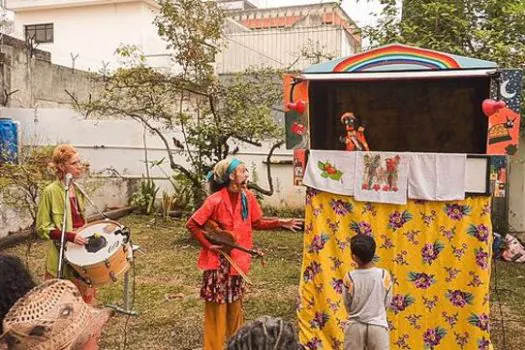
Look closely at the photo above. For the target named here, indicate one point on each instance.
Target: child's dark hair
(363, 247)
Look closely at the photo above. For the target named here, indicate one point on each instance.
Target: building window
(39, 33)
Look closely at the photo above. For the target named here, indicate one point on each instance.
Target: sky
(359, 11)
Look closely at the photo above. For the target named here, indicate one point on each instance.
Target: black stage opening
(419, 115)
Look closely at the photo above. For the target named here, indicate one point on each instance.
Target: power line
(255, 50)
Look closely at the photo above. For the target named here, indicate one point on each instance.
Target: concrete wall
(105, 193)
(95, 32)
(118, 144)
(39, 82)
(12, 219)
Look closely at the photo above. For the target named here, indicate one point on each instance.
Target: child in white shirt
(367, 293)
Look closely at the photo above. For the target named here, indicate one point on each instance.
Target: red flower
(298, 129)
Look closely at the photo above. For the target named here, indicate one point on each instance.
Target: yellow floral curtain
(438, 253)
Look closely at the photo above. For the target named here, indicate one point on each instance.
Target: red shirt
(78, 221)
(218, 207)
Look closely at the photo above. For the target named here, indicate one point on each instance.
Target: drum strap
(77, 275)
(236, 267)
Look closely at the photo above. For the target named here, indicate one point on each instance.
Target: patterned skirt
(219, 286)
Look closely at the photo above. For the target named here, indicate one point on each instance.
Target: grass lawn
(510, 283)
(168, 282)
(167, 286)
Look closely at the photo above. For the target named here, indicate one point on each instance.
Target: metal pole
(63, 235)
(125, 309)
(126, 291)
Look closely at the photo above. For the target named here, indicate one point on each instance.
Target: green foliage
(22, 183)
(486, 29)
(144, 198)
(183, 196)
(166, 204)
(193, 29)
(211, 116)
(240, 110)
(283, 211)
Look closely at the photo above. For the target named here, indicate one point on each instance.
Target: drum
(105, 257)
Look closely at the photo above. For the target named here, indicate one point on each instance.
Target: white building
(288, 38)
(86, 33)
(93, 29)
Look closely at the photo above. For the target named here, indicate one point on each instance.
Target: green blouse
(50, 216)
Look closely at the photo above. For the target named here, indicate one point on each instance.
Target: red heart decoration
(490, 107)
(298, 106)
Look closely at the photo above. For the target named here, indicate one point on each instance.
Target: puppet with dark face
(355, 133)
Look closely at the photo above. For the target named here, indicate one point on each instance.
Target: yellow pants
(221, 321)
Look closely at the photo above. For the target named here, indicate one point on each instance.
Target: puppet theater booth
(439, 128)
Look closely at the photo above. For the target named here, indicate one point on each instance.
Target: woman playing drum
(65, 160)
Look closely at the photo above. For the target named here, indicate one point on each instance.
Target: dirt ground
(167, 284)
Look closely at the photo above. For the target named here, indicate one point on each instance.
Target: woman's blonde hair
(61, 155)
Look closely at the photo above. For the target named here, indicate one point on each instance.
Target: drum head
(102, 244)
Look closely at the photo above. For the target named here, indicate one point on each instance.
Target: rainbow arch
(397, 54)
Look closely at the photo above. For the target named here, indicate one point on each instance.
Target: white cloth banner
(331, 171)
(381, 177)
(437, 177)
(422, 178)
(388, 177)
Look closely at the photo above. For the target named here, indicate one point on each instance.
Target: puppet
(355, 133)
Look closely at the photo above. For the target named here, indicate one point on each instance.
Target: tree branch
(183, 128)
(173, 165)
(254, 186)
(240, 138)
(213, 110)
(78, 105)
(7, 95)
